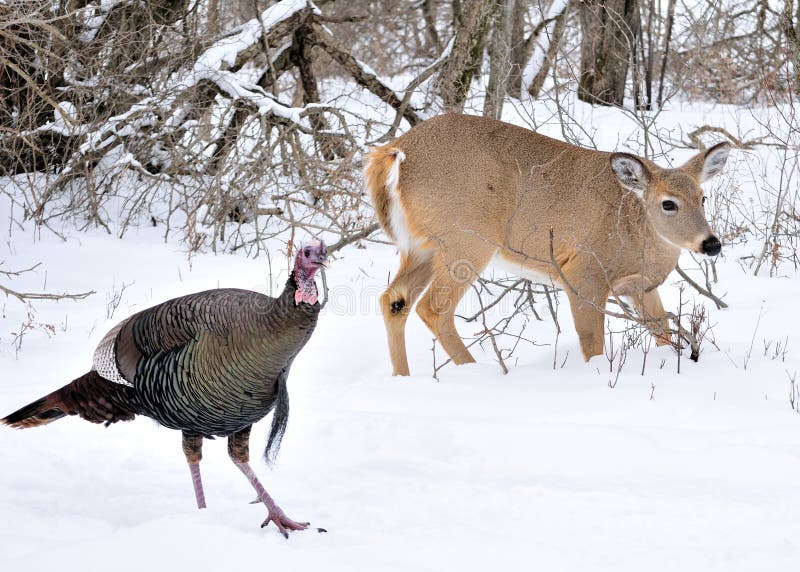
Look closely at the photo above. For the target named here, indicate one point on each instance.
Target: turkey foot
(283, 522)
(275, 514)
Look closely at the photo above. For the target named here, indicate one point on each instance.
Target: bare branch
(360, 72)
(349, 239)
(707, 293)
(25, 296)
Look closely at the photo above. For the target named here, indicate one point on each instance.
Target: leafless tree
(790, 22)
(609, 35)
(466, 53)
(499, 48)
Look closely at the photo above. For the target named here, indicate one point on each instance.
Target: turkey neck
(288, 325)
(303, 314)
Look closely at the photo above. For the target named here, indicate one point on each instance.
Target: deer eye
(669, 206)
(307, 253)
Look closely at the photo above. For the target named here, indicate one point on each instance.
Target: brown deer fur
(458, 192)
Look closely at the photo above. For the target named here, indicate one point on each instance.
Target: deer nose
(711, 246)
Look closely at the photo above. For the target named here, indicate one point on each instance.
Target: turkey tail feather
(40, 412)
(280, 418)
(91, 396)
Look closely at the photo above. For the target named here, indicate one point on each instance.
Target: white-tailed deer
(459, 192)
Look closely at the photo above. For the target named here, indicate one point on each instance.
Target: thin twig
(495, 301)
(707, 293)
(324, 288)
(490, 333)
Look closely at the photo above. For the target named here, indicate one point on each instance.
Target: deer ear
(705, 165)
(631, 173)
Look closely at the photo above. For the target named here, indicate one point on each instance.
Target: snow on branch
(216, 125)
(213, 65)
(542, 43)
(273, 23)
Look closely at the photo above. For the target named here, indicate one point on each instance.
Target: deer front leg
(587, 313)
(649, 307)
(587, 290)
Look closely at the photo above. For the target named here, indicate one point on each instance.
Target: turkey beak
(321, 258)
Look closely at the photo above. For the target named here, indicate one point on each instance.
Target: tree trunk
(552, 49)
(304, 60)
(498, 59)
(518, 55)
(667, 39)
(790, 29)
(648, 73)
(212, 21)
(456, 6)
(643, 58)
(608, 28)
(429, 15)
(639, 65)
(456, 76)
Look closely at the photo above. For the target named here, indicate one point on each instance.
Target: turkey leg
(239, 451)
(193, 449)
(275, 514)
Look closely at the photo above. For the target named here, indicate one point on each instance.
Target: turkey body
(210, 363)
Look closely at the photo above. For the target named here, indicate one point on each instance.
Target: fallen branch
(19, 272)
(25, 296)
(342, 19)
(696, 143)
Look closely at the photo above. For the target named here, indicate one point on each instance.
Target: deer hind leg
(414, 274)
(437, 307)
(649, 307)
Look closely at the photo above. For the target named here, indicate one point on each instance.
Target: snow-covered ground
(539, 469)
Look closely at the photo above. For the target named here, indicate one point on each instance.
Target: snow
(542, 468)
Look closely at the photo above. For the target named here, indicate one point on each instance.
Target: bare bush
(133, 114)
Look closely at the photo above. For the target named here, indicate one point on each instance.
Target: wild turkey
(209, 364)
